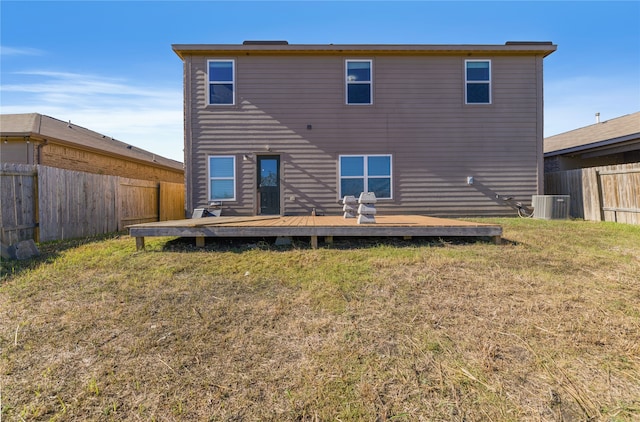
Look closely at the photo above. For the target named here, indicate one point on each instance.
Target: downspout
(36, 190)
(540, 127)
(188, 151)
(39, 151)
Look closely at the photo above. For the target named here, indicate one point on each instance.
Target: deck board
(314, 226)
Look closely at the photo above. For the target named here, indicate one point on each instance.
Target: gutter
(281, 48)
(594, 145)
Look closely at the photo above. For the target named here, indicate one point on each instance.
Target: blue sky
(108, 65)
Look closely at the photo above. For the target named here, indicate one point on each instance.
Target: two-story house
(443, 130)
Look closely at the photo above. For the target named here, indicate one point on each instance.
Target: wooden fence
(46, 203)
(609, 193)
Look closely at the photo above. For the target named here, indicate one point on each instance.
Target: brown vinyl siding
(418, 116)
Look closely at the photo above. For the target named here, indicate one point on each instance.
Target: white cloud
(83, 86)
(148, 117)
(20, 51)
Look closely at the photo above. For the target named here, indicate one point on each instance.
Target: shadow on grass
(239, 245)
(49, 251)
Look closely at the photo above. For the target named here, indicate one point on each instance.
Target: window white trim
(366, 171)
(232, 81)
(487, 82)
(210, 178)
(347, 82)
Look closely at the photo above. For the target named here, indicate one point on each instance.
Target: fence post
(591, 194)
(159, 200)
(36, 206)
(119, 209)
(600, 196)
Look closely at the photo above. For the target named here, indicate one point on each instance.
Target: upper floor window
(359, 82)
(222, 178)
(365, 173)
(477, 81)
(221, 82)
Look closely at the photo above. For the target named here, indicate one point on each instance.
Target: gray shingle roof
(620, 129)
(40, 126)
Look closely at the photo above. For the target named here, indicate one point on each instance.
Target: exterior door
(269, 184)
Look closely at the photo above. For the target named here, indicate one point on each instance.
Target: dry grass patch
(545, 327)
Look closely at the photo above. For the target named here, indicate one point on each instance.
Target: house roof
(38, 126)
(282, 47)
(616, 131)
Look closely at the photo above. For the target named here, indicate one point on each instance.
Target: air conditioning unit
(550, 207)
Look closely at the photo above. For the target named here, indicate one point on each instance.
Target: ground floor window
(365, 173)
(222, 178)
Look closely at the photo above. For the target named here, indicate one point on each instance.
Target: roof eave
(519, 48)
(16, 134)
(594, 145)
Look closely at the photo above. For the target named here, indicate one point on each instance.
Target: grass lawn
(545, 327)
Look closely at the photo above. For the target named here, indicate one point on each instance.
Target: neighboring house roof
(621, 130)
(282, 47)
(43, 127)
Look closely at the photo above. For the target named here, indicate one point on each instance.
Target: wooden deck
(313, 227)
